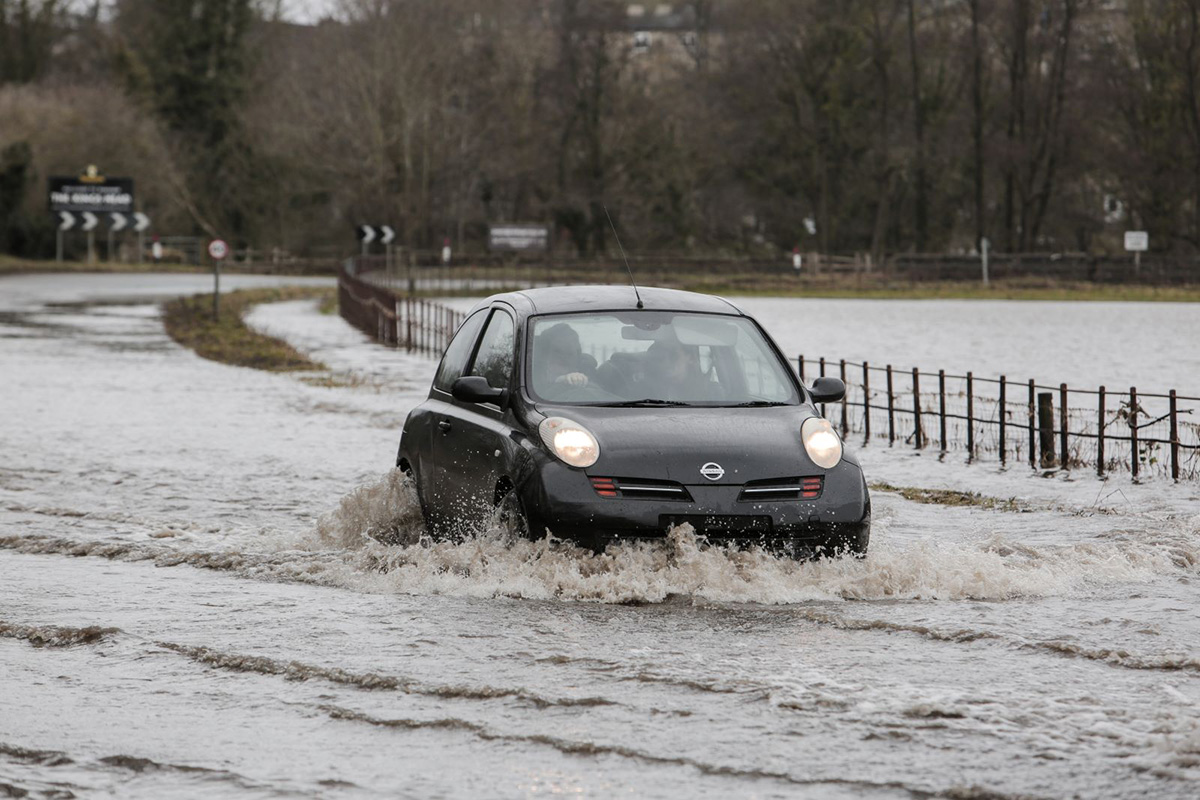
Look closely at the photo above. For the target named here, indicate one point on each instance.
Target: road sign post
(366, 235)
(117, 223)
(1137, 242)
(67, 221)
(388, 236)
(90, 221)
(140, 223)
(217, 251)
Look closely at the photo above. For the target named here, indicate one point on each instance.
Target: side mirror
(827, 390)
(476, 389)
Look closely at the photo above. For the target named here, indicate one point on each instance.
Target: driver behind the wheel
(560, 360)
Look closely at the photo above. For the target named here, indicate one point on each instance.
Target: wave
(55, 636)
(374, 541)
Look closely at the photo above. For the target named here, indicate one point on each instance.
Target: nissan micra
(602, 415)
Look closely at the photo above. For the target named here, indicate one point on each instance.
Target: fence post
(845, 402)
(891, 408)
(1046, 428)
(1100, 434)
(1003, 418)
(408, 323)
(1064, 461)
(1033, 458)
(1174, 439)
(866, 403)
(1133, 431)
(917, 432)
(942, 408)
(970, 416)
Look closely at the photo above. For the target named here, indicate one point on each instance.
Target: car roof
(569, 299)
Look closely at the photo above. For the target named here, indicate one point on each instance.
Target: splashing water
(379, 530)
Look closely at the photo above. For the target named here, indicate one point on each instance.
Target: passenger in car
(672, 373)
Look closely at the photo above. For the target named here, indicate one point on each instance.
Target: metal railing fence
(1041, 425)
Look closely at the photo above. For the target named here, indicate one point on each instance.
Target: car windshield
(654, 358)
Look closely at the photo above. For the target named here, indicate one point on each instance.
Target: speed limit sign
(218, 249)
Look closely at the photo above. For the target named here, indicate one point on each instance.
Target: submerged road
(191, 606)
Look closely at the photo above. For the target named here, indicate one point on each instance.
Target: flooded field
(193, 604)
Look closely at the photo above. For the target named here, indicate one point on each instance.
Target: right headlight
(571, 442)
(821, 442)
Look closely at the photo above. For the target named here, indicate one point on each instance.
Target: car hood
(748, 444)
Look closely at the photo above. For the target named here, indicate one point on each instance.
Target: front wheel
(509, 516)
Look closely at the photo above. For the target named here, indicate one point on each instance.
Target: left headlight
(821, 442)
(570, 441)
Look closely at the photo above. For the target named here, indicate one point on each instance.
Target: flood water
(192, 603)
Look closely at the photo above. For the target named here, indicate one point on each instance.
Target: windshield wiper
(646, 403)
(756, 404)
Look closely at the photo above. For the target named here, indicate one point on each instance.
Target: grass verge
(189, 321)
(879, 288)
(948, 497)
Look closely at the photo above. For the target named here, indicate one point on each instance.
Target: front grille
(640, 489)
(782, 489)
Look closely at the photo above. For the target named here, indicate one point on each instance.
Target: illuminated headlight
(570, 441)
(823, 445)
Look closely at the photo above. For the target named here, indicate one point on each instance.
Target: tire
(509, 516)
(431, 525)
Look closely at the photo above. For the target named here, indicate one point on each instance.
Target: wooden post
(918, 434)
(1003, 418)
(866, 403)
(1100, 433)
(845, 402)
(970, 416)
(1064, 460)
(1046, 428)
(942, 408)
(800, 362)
(408, 323)
(1033, 459)
(1174, 439)
(891, 408)
(1133, 430)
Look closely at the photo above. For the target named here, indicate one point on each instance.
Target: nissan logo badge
(713, 471)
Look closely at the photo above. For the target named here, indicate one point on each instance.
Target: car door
(424, 432)
(470, 436)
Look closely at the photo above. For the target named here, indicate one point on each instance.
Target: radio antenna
(632, 282)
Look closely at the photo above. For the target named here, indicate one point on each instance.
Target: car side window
(494, 359)
(454, 362)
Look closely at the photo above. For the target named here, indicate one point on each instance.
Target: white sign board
(218, 249)
(519, 237)
(1137, 241)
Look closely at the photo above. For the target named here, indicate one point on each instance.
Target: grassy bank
(189, 321)
(874, 288)
(23, 266)
(884, 289)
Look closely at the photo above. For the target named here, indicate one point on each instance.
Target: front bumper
(563, 501)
